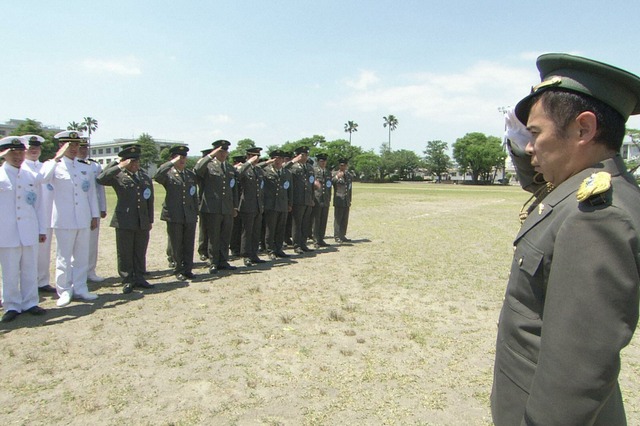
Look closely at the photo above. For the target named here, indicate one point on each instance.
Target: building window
(93, 151)
(100, 151)
(116, 150)
(107, 150)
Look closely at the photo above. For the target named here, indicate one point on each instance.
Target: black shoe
(127, 288)
(324, 244)
(181, 277)
(298, 250)
(257, 260)
(36, 310)
(345, 239)
(281, 254)
(47, 289)
(273, 256)
(213, 270)
(247, 262)
(227, 266)
(203, 257)
(288, 242)
(305, 248)
(10, 316)
(172, 264)
(143, 284)
(190, 275)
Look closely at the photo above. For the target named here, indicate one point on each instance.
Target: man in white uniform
(33, 164)
(19, 233)
(75, 214)
(83, 157)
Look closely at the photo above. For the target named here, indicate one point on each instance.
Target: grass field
(396, 328)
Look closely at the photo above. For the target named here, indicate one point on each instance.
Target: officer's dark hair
(563, 107)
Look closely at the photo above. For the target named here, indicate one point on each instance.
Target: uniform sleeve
(108, 176)
(102, 197)
(590, 313)
(47, 172)
(161, 175)
(201, 166)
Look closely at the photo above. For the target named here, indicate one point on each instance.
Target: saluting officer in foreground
(179, 210)
(218, 203)
(571, 303)
(22, 229)
(75, 214)
(133, 215)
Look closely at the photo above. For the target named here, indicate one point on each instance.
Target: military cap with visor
(132, 151)
(301, 150)
(179, 150)
(563, 72)
(321, 156)
(222, 143)
(254, 150)
(70, 136)
(32, 140)
(14, 143)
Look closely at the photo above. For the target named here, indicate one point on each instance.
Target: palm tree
(392, 122)
(89, 125)
(350, 126)
(74, 126)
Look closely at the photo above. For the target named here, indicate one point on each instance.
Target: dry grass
(396, 328)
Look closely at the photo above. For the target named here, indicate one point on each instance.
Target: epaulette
(595, 189)
(83, 161)
(91, 159)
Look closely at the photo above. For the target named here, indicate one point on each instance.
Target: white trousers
(19, 278)
(93, 250)
(44, 260)
(72, 260)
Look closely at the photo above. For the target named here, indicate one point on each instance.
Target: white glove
(516, 134)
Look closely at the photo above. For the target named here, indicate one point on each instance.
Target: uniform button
(18, 197)
(514, 248)
(18, 217)
(18, 207)
(520, 261)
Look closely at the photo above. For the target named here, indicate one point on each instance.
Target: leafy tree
(367, 165)
(89, 125)
(350, 127)
(335, 150)
(149, 149)
(634, 162)
(33, 127)
(241, 147)
(436, 159)
(74, 125)
(403, 163)
(479, 154)
(392, 123)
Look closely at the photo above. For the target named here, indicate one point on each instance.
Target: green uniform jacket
(181, 201)
(134, 209)
(303, 178)
(342, 189)
(219, 192)
(252, 189)
(571, 305)
(322, 195)
(277, 189)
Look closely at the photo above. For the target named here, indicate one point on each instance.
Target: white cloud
(364, 80)
(125, 66)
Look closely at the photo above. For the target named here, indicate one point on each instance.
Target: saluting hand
(61, 151)
(5, 152)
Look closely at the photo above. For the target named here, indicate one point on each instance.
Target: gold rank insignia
(596, 184)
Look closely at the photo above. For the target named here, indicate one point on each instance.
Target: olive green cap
(560, 71)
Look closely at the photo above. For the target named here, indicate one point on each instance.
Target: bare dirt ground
(397, 327)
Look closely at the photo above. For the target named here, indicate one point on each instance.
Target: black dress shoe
(213, 270)
(282, 254)
(203, 257)
(324, 244)
(305, 248)
(143, 284)
(10, 316)
(36, 310)
(47, 289)
(172, 264)
(127, 288)
(190, 275)
(227, 267)
(257, 260)
(348, 240)
(181, 277)
(247, 262)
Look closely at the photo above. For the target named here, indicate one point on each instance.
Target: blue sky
(277, 71)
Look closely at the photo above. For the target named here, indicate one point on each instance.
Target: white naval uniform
(74, 205)
(96, 169)
(19, 200)
(46, 202)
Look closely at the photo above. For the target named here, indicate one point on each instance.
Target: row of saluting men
(65, 196)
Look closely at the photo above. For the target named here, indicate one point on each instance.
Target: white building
(105, 152)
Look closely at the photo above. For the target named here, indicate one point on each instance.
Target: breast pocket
(525, 291)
